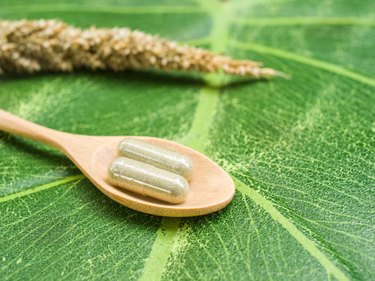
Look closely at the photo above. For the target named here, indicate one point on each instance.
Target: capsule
(148, 180)
(157, 156)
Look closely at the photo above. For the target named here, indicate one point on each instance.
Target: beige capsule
(157, 156)
(148, 180)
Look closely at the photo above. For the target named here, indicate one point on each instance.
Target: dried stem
(50, 45)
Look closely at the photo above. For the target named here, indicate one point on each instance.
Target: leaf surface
(301, 151)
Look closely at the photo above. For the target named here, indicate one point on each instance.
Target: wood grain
(211, 188)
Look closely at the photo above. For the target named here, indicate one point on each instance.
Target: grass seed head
(49, 45)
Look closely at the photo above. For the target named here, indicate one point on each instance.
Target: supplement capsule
(148, 180)
(157, 156)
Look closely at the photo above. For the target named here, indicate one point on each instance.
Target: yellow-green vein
(339, 70)
(305, 21)
(41, 188)
(197, 138)
(305, 242)
(165, 238)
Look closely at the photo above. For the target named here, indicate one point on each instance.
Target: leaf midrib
(196, 138)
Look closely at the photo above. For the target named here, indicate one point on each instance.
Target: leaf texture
(301, 151)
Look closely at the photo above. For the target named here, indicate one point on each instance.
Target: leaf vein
(305, 242)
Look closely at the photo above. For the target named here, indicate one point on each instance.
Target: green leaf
(301, 151)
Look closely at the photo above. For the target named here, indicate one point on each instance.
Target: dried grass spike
(50, 45)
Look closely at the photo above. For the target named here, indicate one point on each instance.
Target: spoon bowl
(211, 188)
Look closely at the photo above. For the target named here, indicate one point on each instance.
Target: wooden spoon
(211, 188)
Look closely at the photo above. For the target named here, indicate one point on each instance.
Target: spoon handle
(15, 125)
